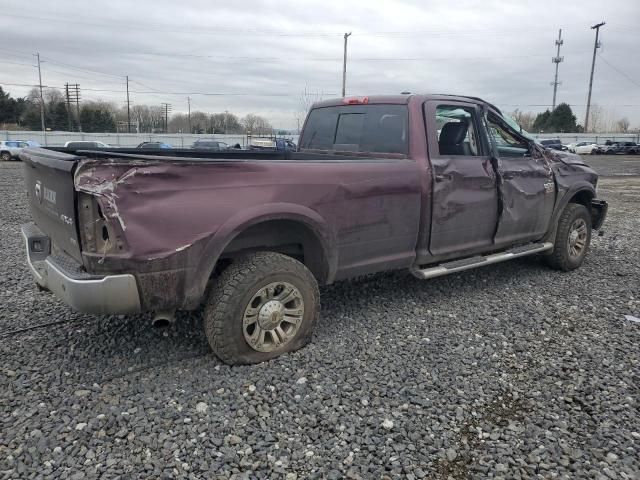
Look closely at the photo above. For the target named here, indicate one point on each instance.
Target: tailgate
(51, 193)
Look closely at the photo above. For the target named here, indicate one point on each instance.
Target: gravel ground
(510, 371)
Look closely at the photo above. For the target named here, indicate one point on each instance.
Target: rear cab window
(377, 128)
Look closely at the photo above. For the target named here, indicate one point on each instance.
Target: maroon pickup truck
(431, 183)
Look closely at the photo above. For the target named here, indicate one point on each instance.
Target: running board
(480, 261)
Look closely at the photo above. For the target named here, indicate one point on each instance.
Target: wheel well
(288, 237)
(583, 197)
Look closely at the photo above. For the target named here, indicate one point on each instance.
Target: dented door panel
(526, 185)
(465, 198)
(528, 194)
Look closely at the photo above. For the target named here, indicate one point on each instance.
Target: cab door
(525, 182)
(464, 211)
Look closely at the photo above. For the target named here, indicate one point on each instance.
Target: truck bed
(162, 212)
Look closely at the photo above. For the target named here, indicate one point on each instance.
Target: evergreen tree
(562, 119)
(541, 121)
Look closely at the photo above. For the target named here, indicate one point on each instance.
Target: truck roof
(402, 99)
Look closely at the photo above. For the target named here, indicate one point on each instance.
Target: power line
(225, 30)
(171, 28)
(73, 67)
(619, 71)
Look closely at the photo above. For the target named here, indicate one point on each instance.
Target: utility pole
(596, 46)
(44, 129)
(167, 108)
(189, 104)
(344, 64)
(66, 91)
(557, 59)
(74, 93)
(128, 108)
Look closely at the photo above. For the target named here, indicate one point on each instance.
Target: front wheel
(5, 156)
(261, 306)
(572, 238)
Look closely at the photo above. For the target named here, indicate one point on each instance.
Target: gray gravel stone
(472, 370)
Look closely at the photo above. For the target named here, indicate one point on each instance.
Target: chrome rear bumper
(111, 294)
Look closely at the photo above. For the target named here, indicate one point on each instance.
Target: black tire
(5, 156)
(594, 151)
(561, 257)
(237, 286)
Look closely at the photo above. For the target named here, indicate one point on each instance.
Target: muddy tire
(5, 156)
(261, 306)
(572, 238)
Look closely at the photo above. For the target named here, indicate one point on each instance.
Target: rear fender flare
(259, 214)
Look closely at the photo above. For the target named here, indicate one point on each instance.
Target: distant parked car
(154, 145)
(210, 145)
(10, 149)
(272, 144)
(622, 148)
(32, 143)
(585, 148)
(82, 144)
(553, 143)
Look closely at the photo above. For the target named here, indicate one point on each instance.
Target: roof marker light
(355, 100)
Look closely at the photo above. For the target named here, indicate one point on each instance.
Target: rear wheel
(572, 238)
(5, 156)
(594, 151)
(261, 306)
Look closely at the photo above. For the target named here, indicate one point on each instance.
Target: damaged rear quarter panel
(176, 216)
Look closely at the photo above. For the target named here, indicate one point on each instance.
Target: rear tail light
(97, 234)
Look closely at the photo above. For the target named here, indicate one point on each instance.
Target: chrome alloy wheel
(273, 316)
(577, 238)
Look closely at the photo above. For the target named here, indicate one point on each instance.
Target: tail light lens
(97, 234)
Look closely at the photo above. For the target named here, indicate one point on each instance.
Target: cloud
(262, 54)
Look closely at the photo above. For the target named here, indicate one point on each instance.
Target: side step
(480, 261)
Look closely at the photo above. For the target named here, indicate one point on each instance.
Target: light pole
(593, 65)
(344, 64)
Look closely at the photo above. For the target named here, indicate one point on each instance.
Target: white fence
(599, 138)
(178, 140)
(183, 140)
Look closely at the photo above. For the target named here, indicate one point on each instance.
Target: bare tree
(256, 125)
(622, 125)
(305, 102)
(596, 118)
(52, 96)
(524, 119)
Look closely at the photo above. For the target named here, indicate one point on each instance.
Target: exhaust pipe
(163, 318)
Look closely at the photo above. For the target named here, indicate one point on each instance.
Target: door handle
(440, 178)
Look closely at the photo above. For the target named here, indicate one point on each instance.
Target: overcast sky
(261, 55)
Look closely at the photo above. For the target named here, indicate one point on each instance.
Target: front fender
(562, 202)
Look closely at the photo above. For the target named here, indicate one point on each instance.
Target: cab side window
(507, 141)
(457, 131)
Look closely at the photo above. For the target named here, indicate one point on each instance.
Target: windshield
(513, 124)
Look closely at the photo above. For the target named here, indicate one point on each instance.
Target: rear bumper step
(111, 294)
(479, 261)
